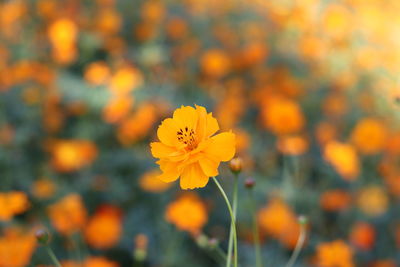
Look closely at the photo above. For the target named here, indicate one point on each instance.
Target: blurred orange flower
(363, 235)
(71, 155)
(68, 214)
(278, 220)
(99, 262)
(150, 182)
(343, 158)
(97, 73)
(215, 63)
(335, 200)
(117, 108)
(292, 145)
(334, 254)
(16, 247)
(94, 261)
(137, 125)
(282, 116)
(104, 228)
(188, 149)
(369, 136)
(43, 188)
(187, 213)
(12, 203)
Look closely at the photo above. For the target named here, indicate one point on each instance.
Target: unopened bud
(303, 220)
(42, 236)
(249, 182)
(236, 165)
(202, 241)
(213, 243)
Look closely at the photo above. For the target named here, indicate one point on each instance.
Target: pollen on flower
(188, 137)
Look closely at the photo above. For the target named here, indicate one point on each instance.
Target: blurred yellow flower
(188, 149)
(187, 213)
(373, 200)
(343, 158)
(71, 155)
(125, 79)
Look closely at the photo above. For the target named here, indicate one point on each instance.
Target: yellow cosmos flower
(188, 149)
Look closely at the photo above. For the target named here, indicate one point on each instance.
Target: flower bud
(213, 243)
(42, 236)
(249, 183)
(236, 165)
(303, 220)
(202, 241)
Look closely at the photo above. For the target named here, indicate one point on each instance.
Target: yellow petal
(167, 133)
(193, 177)
(212, 125)
(201, 123)
(221, 147)
(208, 166)
(171, 170)
(185, 116)
(159, 150)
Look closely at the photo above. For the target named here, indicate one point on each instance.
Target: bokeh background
(310, 87)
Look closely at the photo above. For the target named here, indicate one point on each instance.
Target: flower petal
(212, 125)
(171, 170)
(201, 123)
(159, 150)
(221, 147)
(185, 116)
(167, 133)
(193, 177)
(208, 166)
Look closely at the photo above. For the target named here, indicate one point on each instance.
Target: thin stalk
(256, 234)
(299, 245)
(53, 256)
(228, 204)
(234, 207)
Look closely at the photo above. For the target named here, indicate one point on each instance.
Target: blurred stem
(221, 253)
(256, 234)
(234, 207)
(53, 256)
(299, 245)
(174, 243)
(228, 204)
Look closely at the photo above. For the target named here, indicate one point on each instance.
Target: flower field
(150, 133)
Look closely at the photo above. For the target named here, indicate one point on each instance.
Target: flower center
(188, 137)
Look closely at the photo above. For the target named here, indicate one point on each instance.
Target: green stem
(256, 234)
(234, 207)
(53, 256)
(232, 220)
(299, 246)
